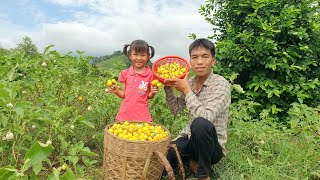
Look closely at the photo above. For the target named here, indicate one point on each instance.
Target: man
(207, 98)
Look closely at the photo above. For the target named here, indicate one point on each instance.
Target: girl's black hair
(203, 43)
(139, 46)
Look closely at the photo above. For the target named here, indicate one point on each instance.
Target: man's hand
(181, 85)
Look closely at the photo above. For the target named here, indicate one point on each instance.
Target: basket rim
(165, 57)
(140, 142)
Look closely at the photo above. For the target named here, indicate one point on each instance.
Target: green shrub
(274, 47)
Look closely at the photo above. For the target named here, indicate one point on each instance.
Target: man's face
(201, 61)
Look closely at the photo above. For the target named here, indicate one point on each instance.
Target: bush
(274, 47)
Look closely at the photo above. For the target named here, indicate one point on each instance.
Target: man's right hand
(181, 85)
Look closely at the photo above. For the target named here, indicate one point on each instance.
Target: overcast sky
(100, 27)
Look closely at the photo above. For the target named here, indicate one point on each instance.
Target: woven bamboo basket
(126, 159)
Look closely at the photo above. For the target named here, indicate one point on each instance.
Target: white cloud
(101, 27)
(10, 34)
(73, 36)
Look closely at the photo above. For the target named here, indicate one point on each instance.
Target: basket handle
(180, 164)
(167, 165)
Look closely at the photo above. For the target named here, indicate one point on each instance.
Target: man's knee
(200, 125)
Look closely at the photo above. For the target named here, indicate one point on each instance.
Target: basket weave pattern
(170, 59)
(125, 159)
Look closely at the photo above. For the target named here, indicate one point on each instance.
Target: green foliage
(39, 102)
(274, 47)
(33, 158)
(28, 47)
(260, 149)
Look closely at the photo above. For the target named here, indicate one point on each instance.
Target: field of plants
(53, 110)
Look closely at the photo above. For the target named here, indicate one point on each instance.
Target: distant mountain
(96, 60)
(115, 62)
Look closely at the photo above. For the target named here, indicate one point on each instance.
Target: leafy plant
(274, 47)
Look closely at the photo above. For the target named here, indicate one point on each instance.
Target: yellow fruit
(159, 85)
(138, 131)
(64, 167)
(109, 83)
(170, 70)
(114, 82)
(80, 98)
(126, 123)
(154, 82)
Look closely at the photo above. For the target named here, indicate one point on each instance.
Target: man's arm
(176, 104)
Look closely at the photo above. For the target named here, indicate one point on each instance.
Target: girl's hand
(154, 89)
(113, 89)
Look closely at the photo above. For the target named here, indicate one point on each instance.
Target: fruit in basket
(171, 70)
(136, 131)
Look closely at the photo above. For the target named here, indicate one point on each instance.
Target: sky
(100, 27)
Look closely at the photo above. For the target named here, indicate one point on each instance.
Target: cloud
(10, 34)
(70, 2)
(100, 27)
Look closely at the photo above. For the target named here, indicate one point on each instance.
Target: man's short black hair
(203, 43)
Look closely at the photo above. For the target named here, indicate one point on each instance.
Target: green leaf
(8, 172)
(19, 111)
(36, 154)
(277, 93)
(89, 124)
(68, 175)
(233, 76)
(54, 175)
(37, 168)
(86, 152)
(4, 94)
(73, 159)
(238, 88)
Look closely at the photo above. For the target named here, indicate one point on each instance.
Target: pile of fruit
(171, 70)
(137, 131)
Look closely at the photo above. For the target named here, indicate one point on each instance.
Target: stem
(13, 153)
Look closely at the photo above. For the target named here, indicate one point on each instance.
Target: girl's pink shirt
(134, 106)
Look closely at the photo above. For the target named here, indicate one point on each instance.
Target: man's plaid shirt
(211, 102)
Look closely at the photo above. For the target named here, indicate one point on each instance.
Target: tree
(274, 47)
(28, 47)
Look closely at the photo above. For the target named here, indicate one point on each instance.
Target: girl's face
(138, 59)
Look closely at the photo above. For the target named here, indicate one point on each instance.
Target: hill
(116, 62)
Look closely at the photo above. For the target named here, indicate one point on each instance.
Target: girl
(136, 83)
